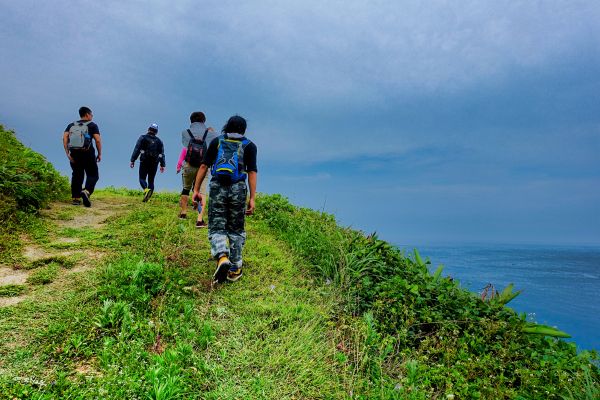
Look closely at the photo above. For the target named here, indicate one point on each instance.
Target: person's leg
(235, 223)
(217, 235)
(91, 172)
(187, 176)
(201, 207)
(76, 177)
(152, 168)
(217, 220)
(142, 174)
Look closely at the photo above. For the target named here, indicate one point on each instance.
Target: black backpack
(195, 149)
(151, 148)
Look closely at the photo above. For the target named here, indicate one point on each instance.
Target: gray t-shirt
(198, 129)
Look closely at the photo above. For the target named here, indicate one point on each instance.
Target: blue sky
(436, 121)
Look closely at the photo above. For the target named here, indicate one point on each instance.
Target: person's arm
(181, 158)
(136, 151)
(98, 141)
(162, 157)
(66, 146)
(251, 170)
(252, 177)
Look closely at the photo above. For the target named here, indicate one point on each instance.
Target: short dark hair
(83, 111)
(235, 124)
(197, 116)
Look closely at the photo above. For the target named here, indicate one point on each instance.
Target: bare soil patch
(11, 301)
(10, 276)
(84, 217)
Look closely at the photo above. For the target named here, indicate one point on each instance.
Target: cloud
(313, 49)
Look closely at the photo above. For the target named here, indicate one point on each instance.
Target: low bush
(27, 180)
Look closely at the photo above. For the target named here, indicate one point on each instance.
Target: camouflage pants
(226, 213)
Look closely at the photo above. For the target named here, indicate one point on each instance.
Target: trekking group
(226, 160)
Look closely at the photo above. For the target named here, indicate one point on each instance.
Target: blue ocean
(561, 285)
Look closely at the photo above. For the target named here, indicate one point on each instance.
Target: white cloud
(315, 49)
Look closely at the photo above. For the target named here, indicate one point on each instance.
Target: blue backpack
(230, 159)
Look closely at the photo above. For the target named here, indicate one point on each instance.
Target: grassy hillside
(116, 302)
(27, 183)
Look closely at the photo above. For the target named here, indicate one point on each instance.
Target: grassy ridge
(430, 337)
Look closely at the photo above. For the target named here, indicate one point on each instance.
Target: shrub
(27, 180)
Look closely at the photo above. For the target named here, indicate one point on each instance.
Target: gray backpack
(79, 136)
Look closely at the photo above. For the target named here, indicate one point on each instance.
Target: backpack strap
(194, 138)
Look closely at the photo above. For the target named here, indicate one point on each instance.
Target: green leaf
(438, 272)
(537, 329)
(418, 258)
(507, 295)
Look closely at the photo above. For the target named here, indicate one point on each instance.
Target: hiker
(77, 141)
(232, 158)
(195, 140)
(152, 152)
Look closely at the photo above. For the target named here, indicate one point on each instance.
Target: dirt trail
(61, 215)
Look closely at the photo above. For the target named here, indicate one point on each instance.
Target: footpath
(116, 301)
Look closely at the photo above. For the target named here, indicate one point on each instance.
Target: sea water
(561, 285)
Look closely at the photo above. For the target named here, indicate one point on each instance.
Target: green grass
(28, 182)
(44, 275)
(12, 290)
(147, 323)
(58, 260)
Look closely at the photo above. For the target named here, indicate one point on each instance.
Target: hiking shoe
(223, 267)
(182, 216)
(85, 196)
(147, 194)
(76, 202)
(201, 224)
(234, 273)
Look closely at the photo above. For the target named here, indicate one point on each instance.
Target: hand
(210, 129)
(250, 209)
(197, 200)
(131, 164)
(197, 196)
(99, 158)
(162, 169)
(70, 158)
(178, 170)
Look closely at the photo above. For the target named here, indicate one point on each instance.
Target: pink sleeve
(181, 158)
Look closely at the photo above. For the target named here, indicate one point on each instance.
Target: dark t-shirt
(92, 130)
(249, 156)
